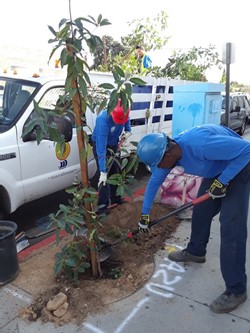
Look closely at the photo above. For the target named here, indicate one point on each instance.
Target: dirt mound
(128, 268)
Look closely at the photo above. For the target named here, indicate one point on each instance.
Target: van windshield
(15, 96)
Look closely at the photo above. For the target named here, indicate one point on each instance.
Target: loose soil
(132, 259)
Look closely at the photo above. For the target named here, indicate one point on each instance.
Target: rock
(56, 301)
(61, 310)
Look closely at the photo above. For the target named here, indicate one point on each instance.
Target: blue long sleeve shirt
(207, 151)
(107, 133)
(146, 61)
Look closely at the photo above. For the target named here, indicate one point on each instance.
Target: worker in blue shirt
(222, 158)
(145, 60)
(106, 135)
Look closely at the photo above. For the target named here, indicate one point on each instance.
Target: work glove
(144, 223)
(217, 189)
(102, 179)
(125, 136)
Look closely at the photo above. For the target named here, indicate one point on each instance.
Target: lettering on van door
(63, 164)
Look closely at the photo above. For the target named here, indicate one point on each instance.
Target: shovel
(106, 250)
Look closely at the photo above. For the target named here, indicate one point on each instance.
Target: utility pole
(228, 57)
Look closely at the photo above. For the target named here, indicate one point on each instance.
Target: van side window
(51, 102)
(13, 97)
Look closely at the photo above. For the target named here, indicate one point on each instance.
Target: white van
(29, 171)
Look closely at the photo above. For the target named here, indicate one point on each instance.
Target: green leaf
(99, 19)
(128, 89)
(83, 86)
(104, 22)
(86, 77)
(61, 224)
(120, 190)
(137, 81)
(92, 20)
(106, 86)
(134, 143)
(68, 229)
(132, 163)
(52, 30)
(91, 191)
(62, 22)
(85, 265)
(124, 162)
(119, 71)
(58, 264)
(71, 262)
(112, 101)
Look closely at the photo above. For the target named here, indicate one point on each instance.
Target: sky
(190, 23)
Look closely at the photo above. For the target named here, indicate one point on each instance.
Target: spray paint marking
(92, 328)
(170, 248)
(16, 294)
(131, 315)
(124, 323)
(164, 289)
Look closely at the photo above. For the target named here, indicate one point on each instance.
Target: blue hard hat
(151, 148)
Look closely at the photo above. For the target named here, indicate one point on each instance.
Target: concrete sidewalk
(176, 300)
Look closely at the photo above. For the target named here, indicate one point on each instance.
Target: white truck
(29, 171)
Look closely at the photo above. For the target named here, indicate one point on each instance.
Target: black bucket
(9, 265)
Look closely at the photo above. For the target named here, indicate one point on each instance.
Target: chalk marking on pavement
(166, 283)
(165, 278)
(93, 328)
(173, 266)
(153, 287)
(157, 292)
(124, 323)
(131, 315)
(16, 294)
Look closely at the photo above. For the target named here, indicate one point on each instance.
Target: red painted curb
(23, 254)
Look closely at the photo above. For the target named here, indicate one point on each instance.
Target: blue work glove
(217, 189)
(144, 223)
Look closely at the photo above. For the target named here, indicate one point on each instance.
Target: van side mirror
(63, 125)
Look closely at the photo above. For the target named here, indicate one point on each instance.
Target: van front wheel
(2, 215)
(243, 128)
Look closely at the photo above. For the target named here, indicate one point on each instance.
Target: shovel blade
(105, 253)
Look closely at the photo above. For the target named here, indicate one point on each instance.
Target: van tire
(242, 128)
(4, 203)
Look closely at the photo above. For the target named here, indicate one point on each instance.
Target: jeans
(233, 209)
(107, 193)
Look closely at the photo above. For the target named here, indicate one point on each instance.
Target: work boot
(184, 256)
(227, 302)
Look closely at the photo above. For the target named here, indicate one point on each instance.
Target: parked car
(239, 112)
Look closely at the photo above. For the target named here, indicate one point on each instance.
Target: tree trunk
(84, 174)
